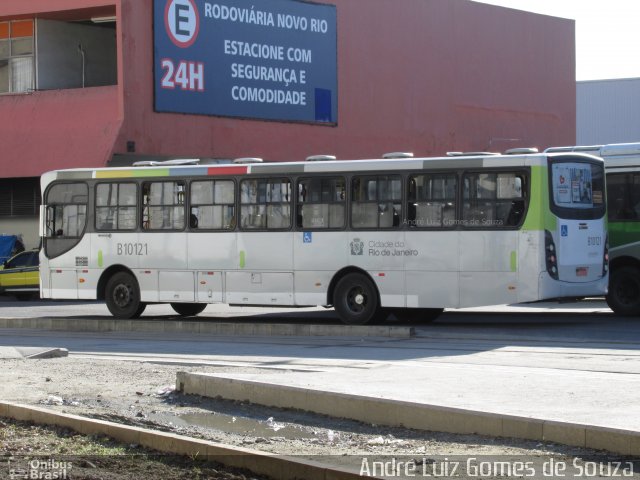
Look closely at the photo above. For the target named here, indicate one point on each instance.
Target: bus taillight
(605, 262)
(551, 255)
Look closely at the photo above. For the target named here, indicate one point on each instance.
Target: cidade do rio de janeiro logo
(357, 247)
(182, 22)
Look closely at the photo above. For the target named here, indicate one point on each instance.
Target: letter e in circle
(182, 22)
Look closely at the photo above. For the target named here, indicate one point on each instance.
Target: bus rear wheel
(624, 291)
(122, 296)
(356, 300)
(188, 309)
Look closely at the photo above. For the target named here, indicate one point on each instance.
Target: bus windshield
(577, 189)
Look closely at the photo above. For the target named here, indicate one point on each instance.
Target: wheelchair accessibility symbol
(564, 230)
(306, 237)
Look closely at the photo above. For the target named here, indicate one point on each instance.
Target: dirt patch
(141, 394)
(31, 451)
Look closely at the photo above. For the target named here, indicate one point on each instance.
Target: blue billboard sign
(271, 60)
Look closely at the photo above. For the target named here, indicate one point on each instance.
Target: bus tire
(188, 309)
(356, 300)
(140, 310)
(122, 296)
(418, 315)
(624, 291)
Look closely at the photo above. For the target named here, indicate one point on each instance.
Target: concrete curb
(51, 353)
(263, 463)
(206, 327)
(30, 353)
(408, 414)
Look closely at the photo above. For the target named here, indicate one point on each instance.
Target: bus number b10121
(132, 249)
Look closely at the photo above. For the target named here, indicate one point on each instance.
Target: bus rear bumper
(549, 288)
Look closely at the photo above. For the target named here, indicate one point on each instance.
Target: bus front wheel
(355, 299)
(122, 296)
(188, 309)
(624, 291)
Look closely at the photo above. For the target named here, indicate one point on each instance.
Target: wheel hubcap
(122, 295)
(357, 300)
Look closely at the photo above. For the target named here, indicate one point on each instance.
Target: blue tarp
(8, 244)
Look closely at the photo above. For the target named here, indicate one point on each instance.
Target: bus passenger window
(493, 200)
(623, 196)
(320, 203)
(376, 202)
(116, 206)
(163, 206)
(212, 205)
(265, 204)
(432, 201)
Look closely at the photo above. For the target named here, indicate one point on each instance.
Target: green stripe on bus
(154, 172)
(514, 261)
(100, 259)
(539, 216)
(242, 259)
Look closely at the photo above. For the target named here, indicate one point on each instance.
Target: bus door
(66, 247)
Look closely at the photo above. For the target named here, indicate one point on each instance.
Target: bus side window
(265, 204)
(163, 206)
(432, 201)
(116, 206)
(212, 205)
(493, 200)
(621, 190)
(510, 200)
(321, 203)
(376, 201)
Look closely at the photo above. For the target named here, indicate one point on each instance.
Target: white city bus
(368, 237)
(622, 167)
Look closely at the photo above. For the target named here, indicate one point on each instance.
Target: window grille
(16, 56)
(19, 197)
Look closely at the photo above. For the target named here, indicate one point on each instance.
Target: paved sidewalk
(593, 398)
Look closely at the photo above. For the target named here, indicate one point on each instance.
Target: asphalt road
(584, 336)
(565, 362)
